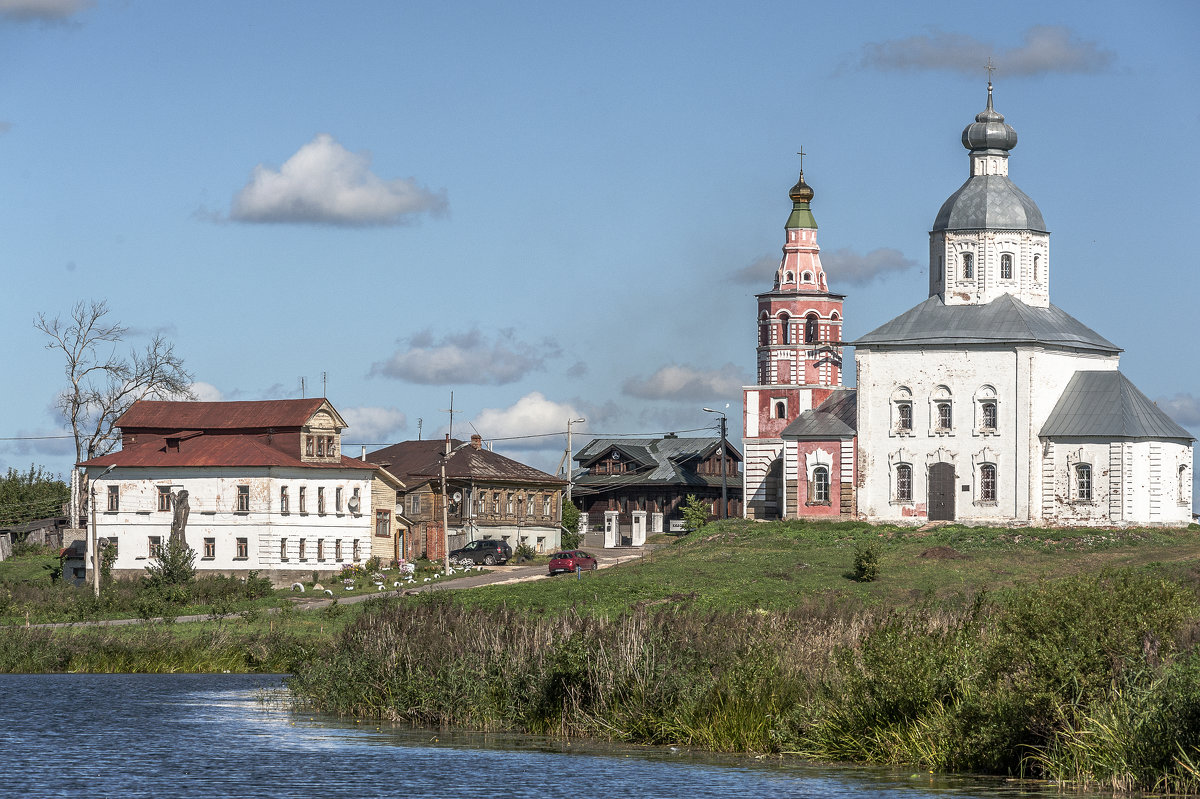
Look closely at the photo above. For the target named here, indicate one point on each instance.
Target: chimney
(364, 452)
(476, 441)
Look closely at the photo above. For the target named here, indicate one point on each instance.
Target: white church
(983, 404)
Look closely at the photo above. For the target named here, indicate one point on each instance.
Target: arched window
(1185, 489)
(1083, 482)
(989, 414)
(780, 410)
(987, 482)
(806, 277)
(785, 324)
(904, 490)
(1035, 268)
(945, 416)
(903, 417)
(1006, 267)
(834, 316)
(810, 329)
(968, 266)
(788, 277)
(820, 484)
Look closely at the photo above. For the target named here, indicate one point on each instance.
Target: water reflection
(211, 735)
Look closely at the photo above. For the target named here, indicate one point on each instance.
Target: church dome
(801, 192)
(989, 200)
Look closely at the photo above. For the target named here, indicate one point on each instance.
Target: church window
(1185, 488)
(904, 417)
(1083, 482)
(1006, 267)
(781, 410)
(941, 266)
(807, 277)
(987, 483)
(968, 266)
(1035, 268)
(810, 329)
(787, 277)
(945, 416)
(785, 324)
(989, 415)
(904, 483)
(820, 484)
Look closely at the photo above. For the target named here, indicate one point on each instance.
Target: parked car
(488, 552)
(567, 561)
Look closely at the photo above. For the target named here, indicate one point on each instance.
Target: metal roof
(989, 202)
(836, 417)
(662, 457)
(1004, 320)
(417, 461)
(1105, 404)
(215, 450)
(249, 415)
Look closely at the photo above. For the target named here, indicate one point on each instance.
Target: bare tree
(102, 382)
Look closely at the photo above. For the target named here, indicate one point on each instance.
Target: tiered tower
(799, 356)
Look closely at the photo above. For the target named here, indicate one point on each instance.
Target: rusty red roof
(215, 450)
(416, 461)
(146, 415)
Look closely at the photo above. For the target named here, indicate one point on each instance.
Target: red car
(568, 561)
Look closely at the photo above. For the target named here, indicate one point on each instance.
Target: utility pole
(724, 470)
(570, 482)
(445, 509)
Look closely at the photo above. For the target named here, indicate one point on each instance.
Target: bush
(866, 563)
(695, 513)
(571, 539)
(175, 565)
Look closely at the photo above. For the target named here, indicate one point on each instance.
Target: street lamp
(724, 480)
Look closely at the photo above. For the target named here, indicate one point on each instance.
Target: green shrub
(174, 565)
(866, 563)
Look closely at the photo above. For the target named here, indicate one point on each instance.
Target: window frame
(243, 499)
(968, 265)
(988, 483)
(166, 500)
(154, 546)
(1006, 266)
(904, 482)
(241, 548)
(210, 548)
(383, 523)
(283, 550)
(1084, 486)
(822, 482)
(114, 498)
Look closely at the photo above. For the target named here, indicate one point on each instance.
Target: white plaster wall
(1134, 483)
(212, 499)
(1027, 382)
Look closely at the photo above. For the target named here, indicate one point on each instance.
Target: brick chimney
(476, 441)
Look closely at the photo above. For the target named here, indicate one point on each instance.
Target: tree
(35, 494)
(570, 525)
(695, 513)
(101, 382)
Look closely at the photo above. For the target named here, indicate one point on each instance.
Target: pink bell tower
(799, 357)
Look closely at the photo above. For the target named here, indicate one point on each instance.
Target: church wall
(837, 460)
(762, 477)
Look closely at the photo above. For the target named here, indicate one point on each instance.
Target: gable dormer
(321, 436)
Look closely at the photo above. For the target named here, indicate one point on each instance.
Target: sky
(560, 210)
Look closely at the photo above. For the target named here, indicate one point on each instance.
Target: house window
(330, 449)
(210, 548)
(308, 446)
(904, 491)
(321, 500)
(414, 505)
(989, 415)
(904, 422)
(114, 498)
(303, 497)
(155, 546)
(243, 499)
(968, 266)
(356, 550)
(1083, 482)
(987, 483)
(530, 507)
(357, 503)
(820, 484)
(243, 549)
(810, 329)
(337, 549)
(337, 499)
(283, 499)
(479, 503)
(303, 549)
(1006, 267)
(945, 416)
(283, 549)
(164, 497)
(510, 504)
(496, 502)
(785, 328)
(546, 505)
(383, 523)
(320, 550)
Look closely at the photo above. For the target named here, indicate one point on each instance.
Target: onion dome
(988, 131)
(801, 195)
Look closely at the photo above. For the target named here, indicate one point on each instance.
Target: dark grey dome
(989, 202)
(988, 131)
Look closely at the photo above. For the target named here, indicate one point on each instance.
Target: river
(205, 735)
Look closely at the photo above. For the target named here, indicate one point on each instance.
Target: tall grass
(1091, 680)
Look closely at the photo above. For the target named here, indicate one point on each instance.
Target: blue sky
(558, 210)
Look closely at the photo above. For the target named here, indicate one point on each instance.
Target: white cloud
(531, 415)
(845, 266)
(326, 184)
(206, 392)
(1183, 408)
(684, 382)
(42, 10)
(373, 425)
(1045, 49)
(465, 358)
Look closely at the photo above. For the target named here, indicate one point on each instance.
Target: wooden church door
(941, 492)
